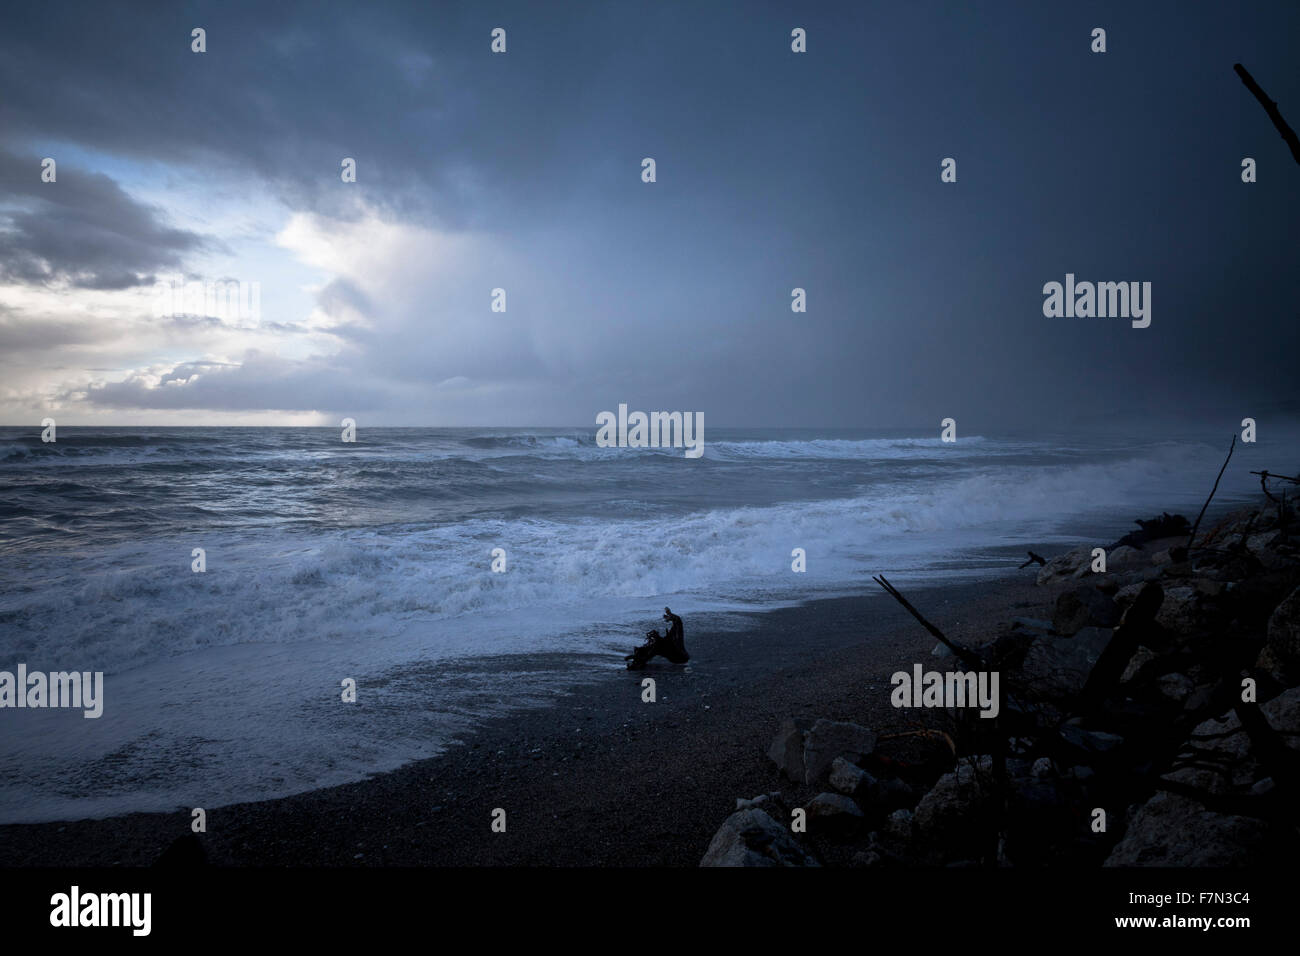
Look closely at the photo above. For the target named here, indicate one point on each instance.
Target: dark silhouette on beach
(671, 645)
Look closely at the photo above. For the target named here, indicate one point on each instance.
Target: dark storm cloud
(81, 229)
(776, 170)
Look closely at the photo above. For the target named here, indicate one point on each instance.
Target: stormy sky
(523, 171)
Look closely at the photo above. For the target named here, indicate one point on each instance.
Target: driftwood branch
(1269, 474)
(1270, 107)
(966, 656)
(1032, 558)
(1231, 448)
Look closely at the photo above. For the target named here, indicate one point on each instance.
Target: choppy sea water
(372, 560)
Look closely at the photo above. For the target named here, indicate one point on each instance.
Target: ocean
(373, 561)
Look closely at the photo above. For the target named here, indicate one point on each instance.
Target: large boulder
(1084, 607)
(833, 807)
(1059, 666)
(847, 777)
(1281, 655)
(1072, 564)
(787, 748)
(752, 838)
(829, 739)
(1173, 830)
(1180, 610)
(946, 821)
(1123, 556)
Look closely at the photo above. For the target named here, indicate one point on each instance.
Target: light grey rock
(1281, 654)
(1123, 555)
(942, 819)
(787, 748)
(1072, 564)
(832, 806)
(849, 778)
(1060, 666)
(829, 739)
(752, 838)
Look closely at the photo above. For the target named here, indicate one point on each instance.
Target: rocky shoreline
(1153, 721)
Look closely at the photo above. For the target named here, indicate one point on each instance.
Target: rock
(1125, 595)
(832, 806)
(1142, 658)
(898, 826)
(1092, 741)
(867, 858)
(1261, 542)
(787, 748)
(1042, 767)
(1083, 607)
(752, 838)
(1180, 610)
(1123, 555)
(1161, 557)
(1072, 564)
(829, 739)
(1059, 666)
(942, 650)
(759, 801)
(1173, 830)
(1009, 648)
(943, 819)
(1177, 687)
(850, 778)
(1208, 587)
(1231, 743)
(1281, 654)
